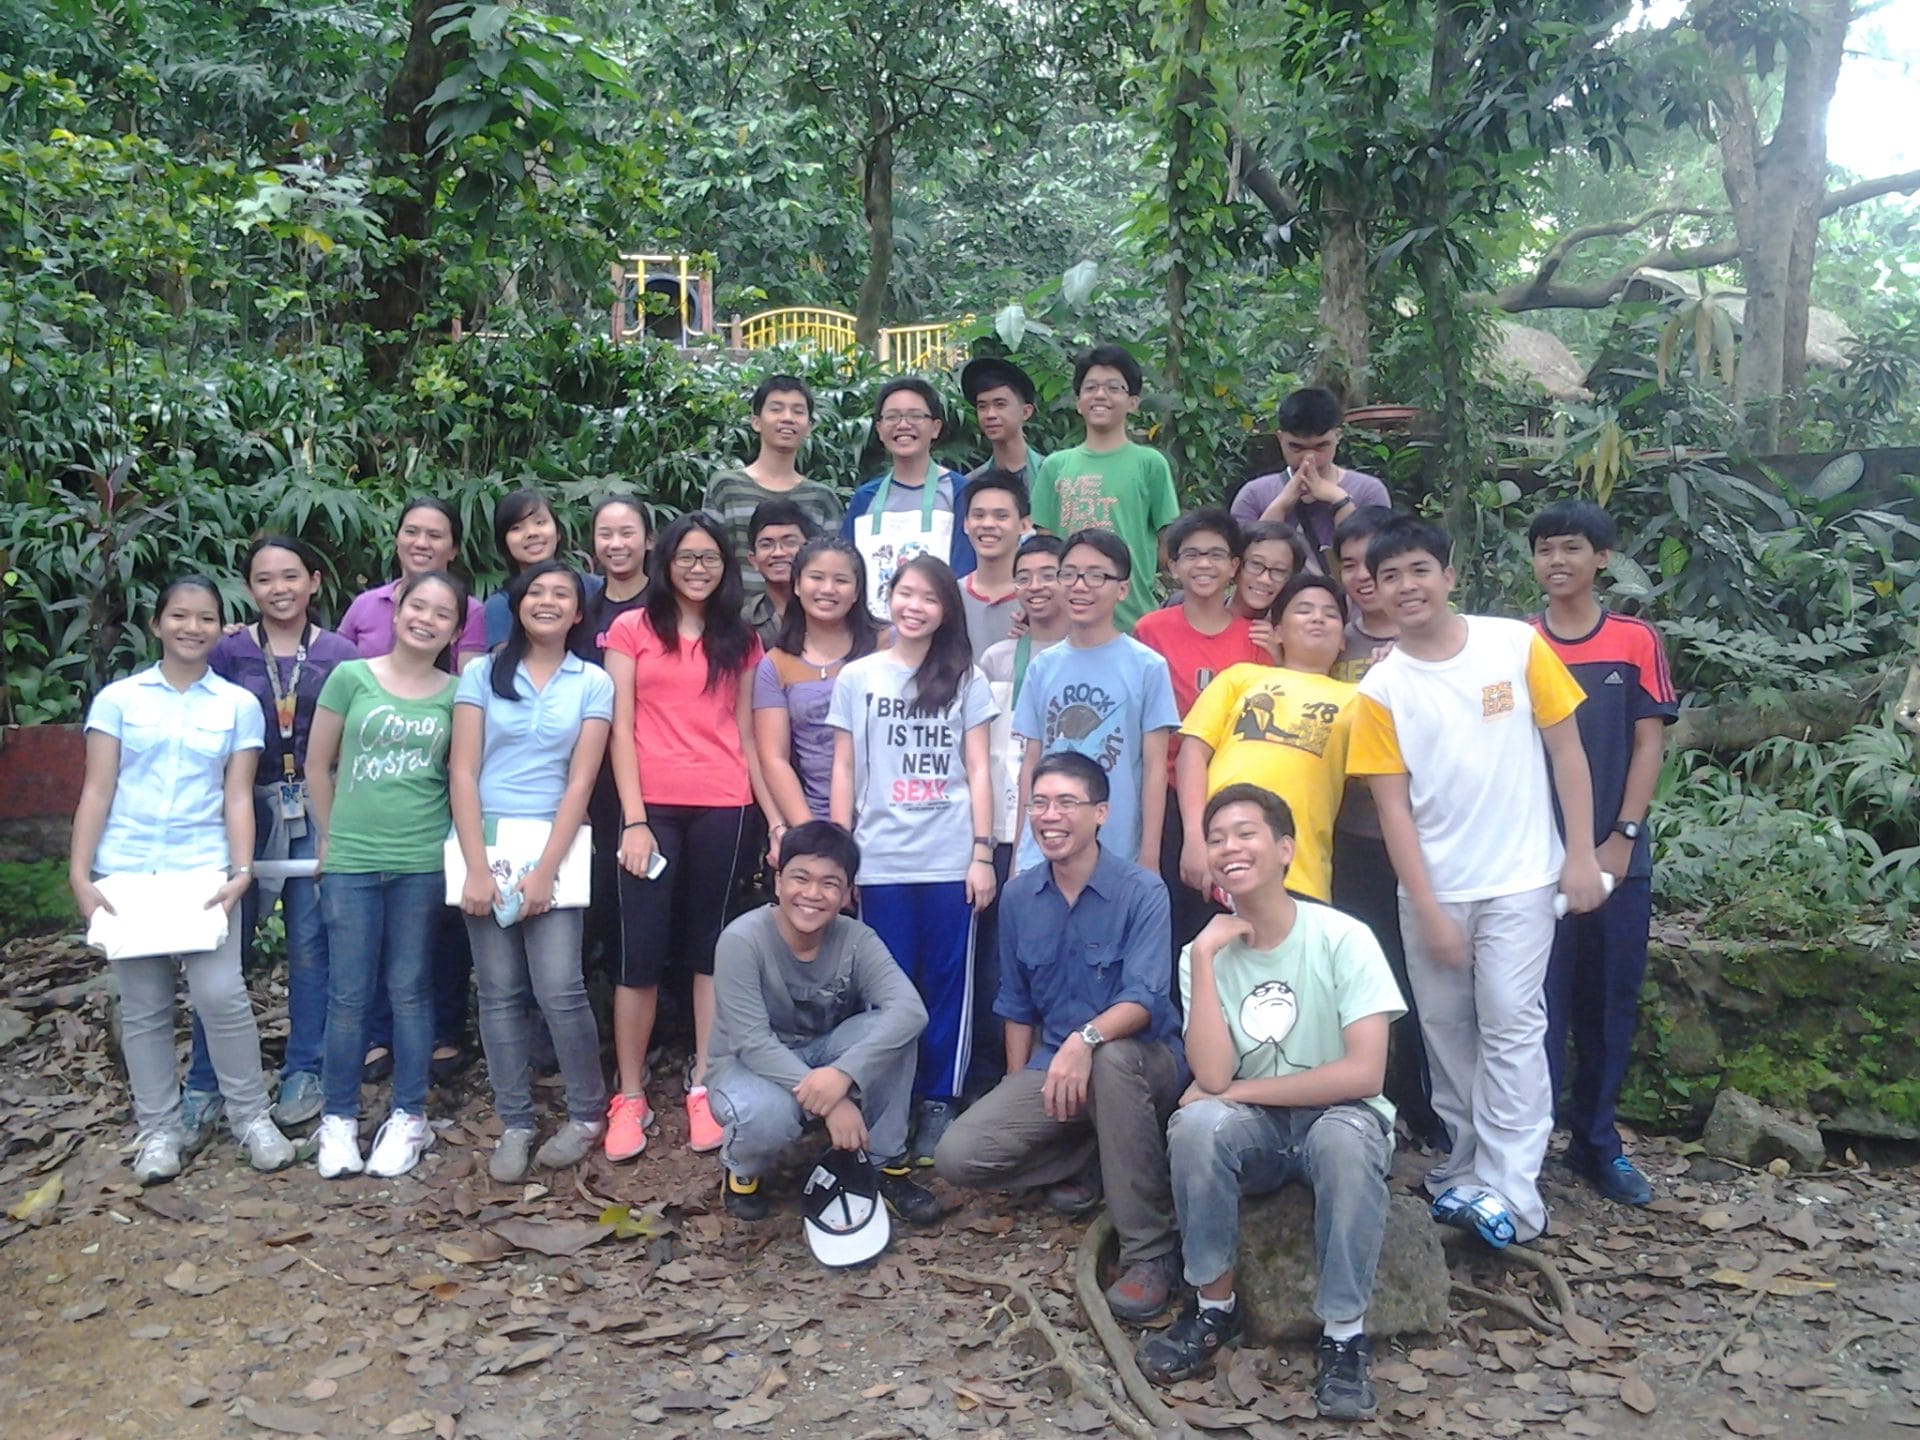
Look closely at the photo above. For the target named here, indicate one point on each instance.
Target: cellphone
(656, 865)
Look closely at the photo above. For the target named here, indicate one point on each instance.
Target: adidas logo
(1613, 678)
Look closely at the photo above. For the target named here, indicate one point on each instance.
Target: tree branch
(1282, 200)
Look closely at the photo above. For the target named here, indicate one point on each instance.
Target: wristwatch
(1092, 1036)
(1632, 829)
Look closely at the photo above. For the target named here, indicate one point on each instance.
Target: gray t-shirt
(912, 812)
(768, 1003)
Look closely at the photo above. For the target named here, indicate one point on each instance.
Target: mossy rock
(1277, 1272)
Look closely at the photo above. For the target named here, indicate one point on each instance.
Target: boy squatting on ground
(1287, 1010)
(1456, 728)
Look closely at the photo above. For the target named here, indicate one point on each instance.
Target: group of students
(1069, 886)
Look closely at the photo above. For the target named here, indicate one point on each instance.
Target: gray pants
(537, 960)
(761, 1118)
(219, 997)
(1006, 1141)
(1221, 1150)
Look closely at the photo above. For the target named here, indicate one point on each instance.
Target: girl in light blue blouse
(171, 754)
(530, 725)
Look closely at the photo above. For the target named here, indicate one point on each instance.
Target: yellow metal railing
(688, 289)
(798, 325)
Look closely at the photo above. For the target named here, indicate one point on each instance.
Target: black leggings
(683, 912)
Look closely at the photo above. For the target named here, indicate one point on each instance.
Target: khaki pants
(1006, 1142)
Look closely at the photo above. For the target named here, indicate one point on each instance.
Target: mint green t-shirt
(1128, 491)
(1286, 1007)
(390, 790)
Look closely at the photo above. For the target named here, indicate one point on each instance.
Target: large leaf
(1077, 283)
(1836, 477)
(1628, 578)
(1011, 325)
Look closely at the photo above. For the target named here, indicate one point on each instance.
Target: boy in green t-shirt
(1287, 1010)
(1107, 482)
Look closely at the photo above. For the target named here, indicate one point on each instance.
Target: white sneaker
(339, 1147)
(397, 1148)
(158, 1158)
(267, 1149)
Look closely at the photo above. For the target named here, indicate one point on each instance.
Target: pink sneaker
(627, 1119)
(703, 1131)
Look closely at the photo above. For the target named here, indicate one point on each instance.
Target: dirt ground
(236, 1304)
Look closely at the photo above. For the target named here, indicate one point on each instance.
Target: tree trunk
(405, 202)
(1347, 361)
(1777, 191)
(876, 203)
(1188, 97)
(1441, 292)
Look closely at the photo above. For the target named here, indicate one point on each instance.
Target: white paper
(518, 844)
(285, 869)
(159, 914)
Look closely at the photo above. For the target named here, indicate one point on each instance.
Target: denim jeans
(451, 969)
(761, 1118)
(379, 924)
(306, 973)
(537, 960)
(1220, 1150)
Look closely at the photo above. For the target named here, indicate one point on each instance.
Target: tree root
(1517, 1306)
(1093, 1300)
(1528, 1258)
(1083, 1380)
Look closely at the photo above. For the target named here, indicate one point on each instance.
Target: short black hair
(779, 511)
(1279, 814)
(997, 479)
(1208, 520)
(1309, 580)
(1575, 517)
(512, 509)
(1114, 358)
(1040, 545)
(1260, 532)
(1404, 534)
(1075, 766)
(910, 384)
(1361, 524)
(1108, 544)
(782, 384)
(1312, 411)
(825, 839)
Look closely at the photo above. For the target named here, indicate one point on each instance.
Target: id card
(293, 800)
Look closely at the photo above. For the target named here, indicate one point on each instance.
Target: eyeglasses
(1092, 579)
(806, 880)
(1106, 387)
(1257, 571)
(698, 560)
(1216, 555)
(905, 417)
(1067, 805)
(781, 545)
(1035, 580)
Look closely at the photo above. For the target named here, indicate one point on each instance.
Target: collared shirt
(1061, 965)
(765, 620)
(169, 797)
(527, 748)
(368, 625)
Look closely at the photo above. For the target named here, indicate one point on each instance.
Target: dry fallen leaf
(1636, 1394)
(472, 1249)
(912, 1397)
(38, 1202)
(552, 1237)
(284, 1419)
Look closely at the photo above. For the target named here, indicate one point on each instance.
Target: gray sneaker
(267, 1149)
(201, 1112)
(934, 1118)
(570, 1144)
(510, 1156)
(300, 1099)
(159, 1157)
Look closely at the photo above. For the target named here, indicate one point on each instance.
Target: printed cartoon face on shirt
(1260, 720)
(1078, 713)
(1269, 1013)
(924, 746)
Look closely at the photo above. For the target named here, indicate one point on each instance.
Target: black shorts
(681, 914)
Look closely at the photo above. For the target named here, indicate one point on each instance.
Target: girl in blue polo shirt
(171, 754)
(529, 727)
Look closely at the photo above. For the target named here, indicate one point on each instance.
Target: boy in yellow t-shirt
(1457, 728)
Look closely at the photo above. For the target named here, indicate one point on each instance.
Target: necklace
(829, 663)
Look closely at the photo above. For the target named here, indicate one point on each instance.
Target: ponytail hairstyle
(506, 660)
(512, 509)
(444, 661)
(859, 620)
(950, 654)
(309, 559)
(727, 637)
(188, 582)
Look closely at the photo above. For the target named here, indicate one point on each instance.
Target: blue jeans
(536, 962)
(379, 924)
(1220, 1150)
(452, 974)
(306, 974)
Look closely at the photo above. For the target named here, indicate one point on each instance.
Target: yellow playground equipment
(687, 318)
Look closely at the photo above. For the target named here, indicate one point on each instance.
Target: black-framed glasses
(698, 560)
(906, 417)
(1218, 554)
(1092, 579)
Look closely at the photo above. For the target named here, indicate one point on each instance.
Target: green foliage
(34, 898)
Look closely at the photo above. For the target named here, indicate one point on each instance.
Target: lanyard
(285, 701)
(1022, 653)
(930, 494)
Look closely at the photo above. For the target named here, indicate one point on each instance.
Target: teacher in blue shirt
(1094, 1064)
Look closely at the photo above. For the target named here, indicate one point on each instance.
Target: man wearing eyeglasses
(1094, 1058)
(913, 508)
(774, 536)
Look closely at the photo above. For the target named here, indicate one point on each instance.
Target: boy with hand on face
(995, 508)
(1002, 396)
(1458, 728)
(914, 507)
(774, 536)
(783, 419)
(1103, 695)
(1107, 482)
(1600, 958)
(1313, 493)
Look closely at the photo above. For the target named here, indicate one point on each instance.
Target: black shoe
(1189, 1345)
(743, 1198)
(1341, 1390)
(906, 1199)
(444, 1069)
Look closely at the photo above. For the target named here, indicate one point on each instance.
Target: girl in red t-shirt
(688, 777)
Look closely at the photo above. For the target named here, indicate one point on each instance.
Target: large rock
(1746, 1132)
(1276, 1274)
